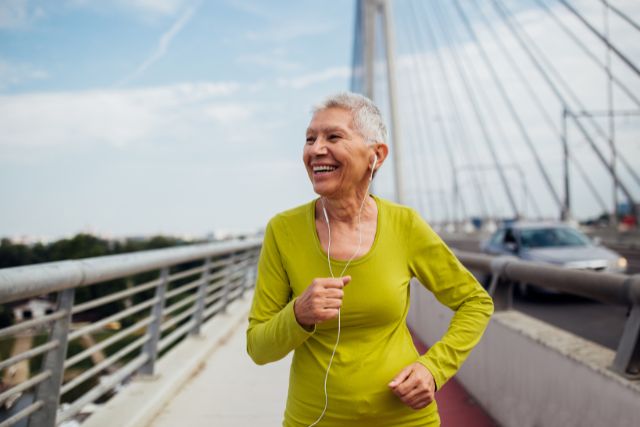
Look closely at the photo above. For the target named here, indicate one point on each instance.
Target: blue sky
(135, 117)
(171, 116)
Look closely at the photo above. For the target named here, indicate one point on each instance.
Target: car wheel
(524, 290)
(486, 281)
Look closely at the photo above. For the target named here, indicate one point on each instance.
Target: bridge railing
(618, 289)
(114, 316)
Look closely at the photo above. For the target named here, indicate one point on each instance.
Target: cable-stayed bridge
(505, 109)
(497, 110)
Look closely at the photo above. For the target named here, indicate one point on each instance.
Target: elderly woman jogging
(333, 286)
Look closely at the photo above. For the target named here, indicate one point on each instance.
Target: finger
(334, 293)
(329, 313)
(415, 395)
(401, 377)
(332, 303)
(331, 283)
(410, 383)
(345, 280)
(421, 404)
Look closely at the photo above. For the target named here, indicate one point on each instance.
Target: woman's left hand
(414, 385)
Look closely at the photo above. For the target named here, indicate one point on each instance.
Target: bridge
(168, 347)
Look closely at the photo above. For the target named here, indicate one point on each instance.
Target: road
(592, 320)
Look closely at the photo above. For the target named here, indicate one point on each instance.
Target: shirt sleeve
(438, 269)
(273, 329)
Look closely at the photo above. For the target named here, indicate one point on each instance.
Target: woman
(333, 286)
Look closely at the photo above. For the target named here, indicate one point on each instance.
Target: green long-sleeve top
(375, 344)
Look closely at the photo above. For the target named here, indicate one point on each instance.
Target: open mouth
(319, 170)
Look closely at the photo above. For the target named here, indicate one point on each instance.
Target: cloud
(275, 59)
(229, 114)
(283, 32)
(306, 80)
(162, 46)
(12, 74)
(15, 14)
(163, 7)
(116, 117)
(144, 8)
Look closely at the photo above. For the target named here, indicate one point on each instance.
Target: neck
(347, 209)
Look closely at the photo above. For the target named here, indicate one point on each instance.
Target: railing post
(251, 269)
(49, 390)
(202, 292)
(500, 289)
(627, 360)
(248, 271)
(150, 347)
(227, 281)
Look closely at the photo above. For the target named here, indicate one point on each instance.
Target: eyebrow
(329, 129)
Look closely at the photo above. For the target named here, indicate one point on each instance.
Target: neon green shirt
(375, 344)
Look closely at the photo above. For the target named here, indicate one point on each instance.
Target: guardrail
(193, 284)
(618, 289)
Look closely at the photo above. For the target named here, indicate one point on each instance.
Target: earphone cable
(335, 347)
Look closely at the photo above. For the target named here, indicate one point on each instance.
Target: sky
(183, 117)
(160, 116)
(581, 83)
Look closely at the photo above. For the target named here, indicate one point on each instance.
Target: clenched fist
(414, 385)
(320, 301)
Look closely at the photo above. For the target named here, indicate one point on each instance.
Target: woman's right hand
(321, 301)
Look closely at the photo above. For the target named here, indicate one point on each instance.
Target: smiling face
(335, 155)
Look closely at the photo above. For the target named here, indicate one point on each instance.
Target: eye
(310, 139)
(334, 137)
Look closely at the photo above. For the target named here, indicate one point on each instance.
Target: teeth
(324, 168)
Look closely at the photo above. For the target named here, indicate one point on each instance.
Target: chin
(324, 190)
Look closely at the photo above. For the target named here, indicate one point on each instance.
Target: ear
(381, 151)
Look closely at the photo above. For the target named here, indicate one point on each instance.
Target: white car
(553, 243)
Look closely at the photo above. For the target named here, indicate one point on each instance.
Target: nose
(319, 147)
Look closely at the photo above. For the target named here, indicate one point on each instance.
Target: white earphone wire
(326, 218)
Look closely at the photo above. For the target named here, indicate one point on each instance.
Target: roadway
(592, 320)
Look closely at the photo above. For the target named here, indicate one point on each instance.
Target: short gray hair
(366, 116)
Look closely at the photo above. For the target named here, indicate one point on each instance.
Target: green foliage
(83, 246)
(80, 246)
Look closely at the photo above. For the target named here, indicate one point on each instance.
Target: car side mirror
(511, 246)
(597, 241)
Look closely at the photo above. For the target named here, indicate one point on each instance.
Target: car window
(497, 237)
(509, 236)
(552, 237)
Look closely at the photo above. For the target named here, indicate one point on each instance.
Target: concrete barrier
(527, 373)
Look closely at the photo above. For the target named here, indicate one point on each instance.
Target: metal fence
(618, 289)
(113, 317)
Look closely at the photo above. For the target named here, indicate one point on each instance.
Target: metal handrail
(29, 281)
(227, 267)
(618, 289)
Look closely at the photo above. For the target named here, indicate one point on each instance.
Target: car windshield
(552, 237)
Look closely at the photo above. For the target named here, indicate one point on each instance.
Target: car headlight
(622, 263)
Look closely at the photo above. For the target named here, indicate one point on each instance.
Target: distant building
(32, 309)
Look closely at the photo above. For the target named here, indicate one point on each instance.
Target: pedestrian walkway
(232, 391)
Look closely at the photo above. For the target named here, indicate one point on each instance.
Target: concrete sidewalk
(232, 391)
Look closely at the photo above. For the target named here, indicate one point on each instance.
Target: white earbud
(373, 166)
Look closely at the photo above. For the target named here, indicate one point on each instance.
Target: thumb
(345, 280)
(403, 375)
